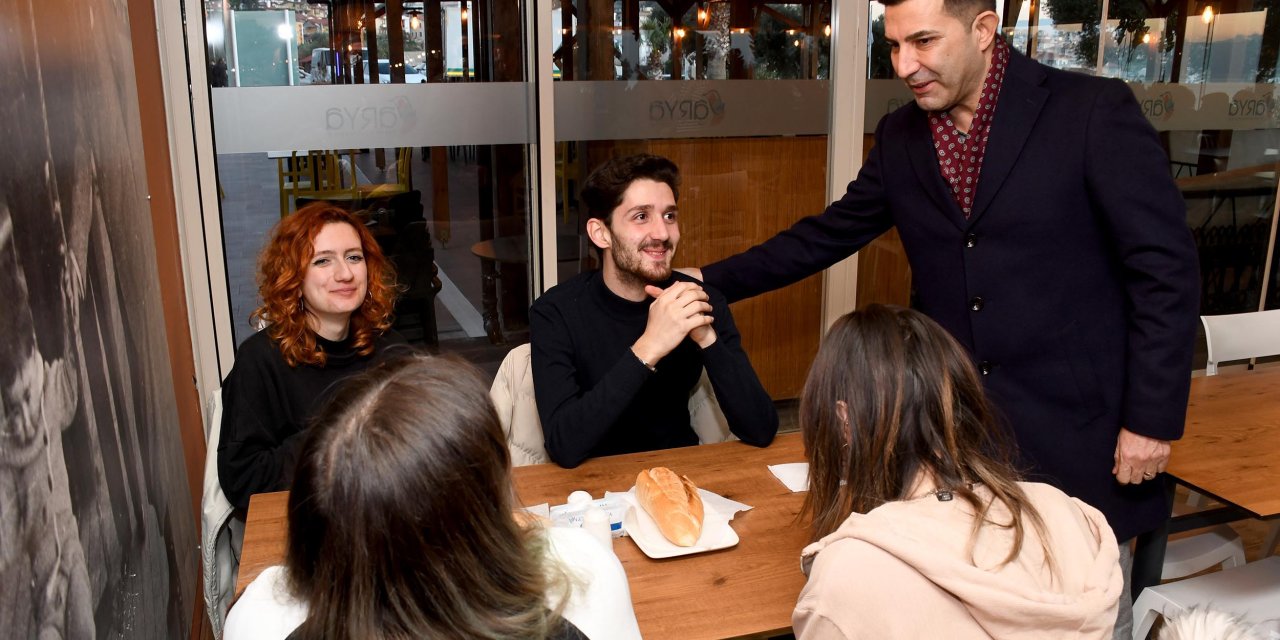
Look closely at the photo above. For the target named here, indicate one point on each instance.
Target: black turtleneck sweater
(595, 398)
(268, 405)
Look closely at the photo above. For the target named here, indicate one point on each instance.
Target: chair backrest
(332, 175)
(294, 175)
(1239, 336)
(705, 416)
(417, 274)
(513, 396)
(1251, 592)
(404, 167)
(297, 171)
(221, 532)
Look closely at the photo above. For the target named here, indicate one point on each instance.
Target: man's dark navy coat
(1074, 284)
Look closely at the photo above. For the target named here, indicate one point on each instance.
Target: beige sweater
(904, 571)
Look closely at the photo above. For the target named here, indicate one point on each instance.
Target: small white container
(596, 522)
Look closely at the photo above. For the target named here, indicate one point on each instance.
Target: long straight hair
(400, 521)
(914, 404)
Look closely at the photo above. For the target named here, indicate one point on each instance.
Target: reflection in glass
(258, 43)
(709, 41)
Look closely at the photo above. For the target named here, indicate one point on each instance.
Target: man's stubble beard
(630, 266)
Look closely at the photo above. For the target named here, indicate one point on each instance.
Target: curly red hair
(282, 267)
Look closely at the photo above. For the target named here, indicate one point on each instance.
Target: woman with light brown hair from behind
(920, 524)
(401, 528)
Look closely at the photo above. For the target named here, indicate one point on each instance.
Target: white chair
(222, 533)
(513, 396)
(1239, 336)
(705, 416)
(1251, 591)
(1219, 546)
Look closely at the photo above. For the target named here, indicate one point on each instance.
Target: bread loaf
(673, 503)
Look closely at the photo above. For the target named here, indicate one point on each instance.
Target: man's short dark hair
(963, 10)
(602, 192)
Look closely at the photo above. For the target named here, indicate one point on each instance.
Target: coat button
(985, 367)
(970, 241)
(976, 303)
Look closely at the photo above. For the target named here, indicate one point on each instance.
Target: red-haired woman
(327, 294)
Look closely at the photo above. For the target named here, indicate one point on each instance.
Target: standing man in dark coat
(1044, 232)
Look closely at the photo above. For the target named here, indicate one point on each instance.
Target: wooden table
(1230, 451)
(1226, 186)
(746, 590)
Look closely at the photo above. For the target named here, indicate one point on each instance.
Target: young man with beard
(617, 351)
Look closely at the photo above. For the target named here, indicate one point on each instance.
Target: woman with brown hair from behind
(401, 527)
(327, 295)
(921, 526)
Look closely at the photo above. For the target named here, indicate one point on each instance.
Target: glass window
(432, 150)
(736, 93)
(1205, 76)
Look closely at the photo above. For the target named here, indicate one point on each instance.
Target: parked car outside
(411, 75)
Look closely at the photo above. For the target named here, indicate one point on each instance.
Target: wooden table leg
(489, 300)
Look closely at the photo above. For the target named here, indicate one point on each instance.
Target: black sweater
(267, 405)
(595, 398)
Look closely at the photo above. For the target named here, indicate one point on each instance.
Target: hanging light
(1146, 38)
(679, 33)
(826, 30)
(1207, 16)
(465, 14)
(413, 21)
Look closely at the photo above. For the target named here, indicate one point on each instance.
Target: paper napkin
(794, 475)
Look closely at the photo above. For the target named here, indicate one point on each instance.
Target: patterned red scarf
(960, 155)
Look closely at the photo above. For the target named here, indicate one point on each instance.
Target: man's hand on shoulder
(677, 311)
(1139, 458)
(692, 272)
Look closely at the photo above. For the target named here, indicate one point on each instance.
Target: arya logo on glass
(710, 109)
